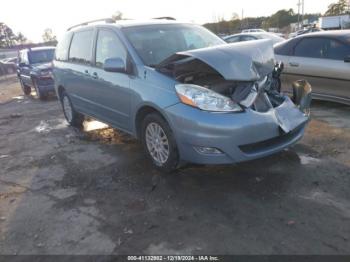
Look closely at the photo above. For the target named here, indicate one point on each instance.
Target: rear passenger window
(81, 47)
(109, 46)
(63, 47)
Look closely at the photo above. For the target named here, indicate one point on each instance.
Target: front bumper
(46, 85)
(239, 136)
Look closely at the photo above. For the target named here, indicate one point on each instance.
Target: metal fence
(7, 69)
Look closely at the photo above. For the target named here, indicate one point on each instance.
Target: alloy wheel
(157, 143)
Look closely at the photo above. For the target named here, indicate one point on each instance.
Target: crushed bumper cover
(239, 136)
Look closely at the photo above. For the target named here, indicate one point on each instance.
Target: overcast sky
(31, 17)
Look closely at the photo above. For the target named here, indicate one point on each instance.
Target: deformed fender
(302, 95)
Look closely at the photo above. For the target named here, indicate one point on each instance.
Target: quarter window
(63, 48)
(81, 47)
(109, 46)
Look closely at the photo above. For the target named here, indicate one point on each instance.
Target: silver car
(253, 36)
(323, 59)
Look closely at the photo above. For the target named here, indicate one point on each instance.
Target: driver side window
(24, 58)
(109, 46)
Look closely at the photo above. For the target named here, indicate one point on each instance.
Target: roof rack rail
(106, 20)
(165, 18)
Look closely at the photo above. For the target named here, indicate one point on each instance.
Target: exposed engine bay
(246, 73)
(260, 95)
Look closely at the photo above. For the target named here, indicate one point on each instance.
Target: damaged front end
(240, 77)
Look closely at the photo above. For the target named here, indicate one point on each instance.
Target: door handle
(94, 75)
(86, 72)
(294, 64)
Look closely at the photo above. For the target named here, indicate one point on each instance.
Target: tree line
(9, 39)
(281, 19)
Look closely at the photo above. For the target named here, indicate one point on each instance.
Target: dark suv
(35, 70)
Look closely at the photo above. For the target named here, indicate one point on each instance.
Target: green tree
(339, 8)
(49, 36)
(21, 39)
(281, 19)
(7, 37)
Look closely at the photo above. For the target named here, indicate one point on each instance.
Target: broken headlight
(205, 99)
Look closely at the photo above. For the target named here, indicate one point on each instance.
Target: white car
(242, 37)
(253, 30)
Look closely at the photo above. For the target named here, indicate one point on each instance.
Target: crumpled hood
(244, 61)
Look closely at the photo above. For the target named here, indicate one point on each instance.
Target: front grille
(270, 143)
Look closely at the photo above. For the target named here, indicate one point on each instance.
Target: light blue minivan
(185, 93)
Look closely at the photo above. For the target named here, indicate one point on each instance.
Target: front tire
(159, 143)
(40, 94)
(73, 117)
(26, 89)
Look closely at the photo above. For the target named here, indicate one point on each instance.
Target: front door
(320, 61)
(24, 68)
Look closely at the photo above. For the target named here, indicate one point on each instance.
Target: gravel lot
(64, 191)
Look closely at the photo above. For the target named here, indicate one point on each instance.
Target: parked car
(305, 31)
(253, 36)
(253, 30)
(323, 59)
(35, 70)
(9, 61)
(8, 66)
(185, 93)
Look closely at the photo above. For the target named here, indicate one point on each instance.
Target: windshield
(155, 43)
(41, 56)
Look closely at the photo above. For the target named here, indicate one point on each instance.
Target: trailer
(334, 22)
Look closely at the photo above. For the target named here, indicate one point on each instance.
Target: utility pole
(302, 13)
(298, 14)
(242, 23)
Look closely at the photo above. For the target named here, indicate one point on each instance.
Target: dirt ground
(64, 191)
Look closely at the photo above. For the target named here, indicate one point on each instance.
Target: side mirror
(114, 65)
(302, 95)
(347, 59)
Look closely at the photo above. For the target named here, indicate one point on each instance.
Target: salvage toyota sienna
(185, 93)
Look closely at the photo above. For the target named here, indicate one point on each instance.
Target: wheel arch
(141, 113)
(60, 91)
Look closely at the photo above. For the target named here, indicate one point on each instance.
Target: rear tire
(159, 143)
(73, 117)
(26, 89)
